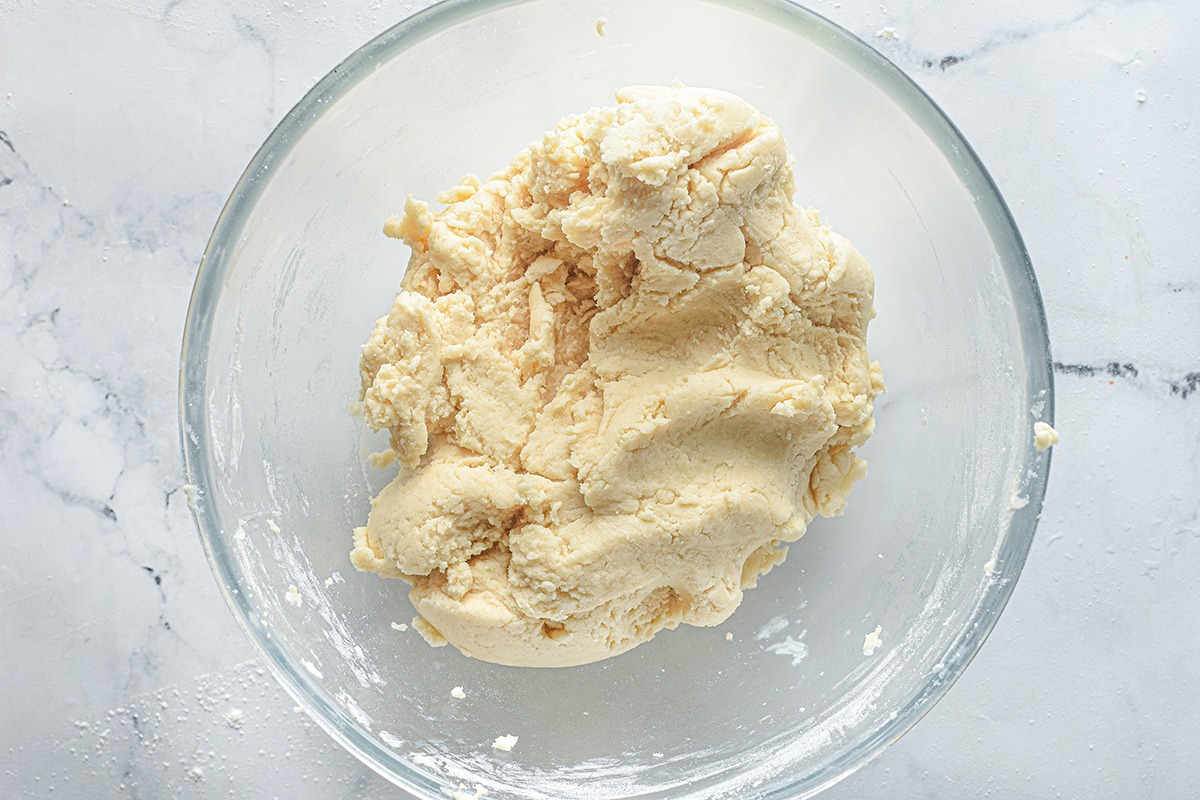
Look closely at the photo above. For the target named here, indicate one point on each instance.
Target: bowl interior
(298, 270)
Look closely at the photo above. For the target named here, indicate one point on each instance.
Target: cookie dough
(1044, 436)
(620, 374)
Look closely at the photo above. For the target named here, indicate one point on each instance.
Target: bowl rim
(222, 251)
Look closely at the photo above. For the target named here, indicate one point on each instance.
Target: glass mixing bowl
(297, 271)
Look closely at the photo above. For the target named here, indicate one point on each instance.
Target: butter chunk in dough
(621, 373)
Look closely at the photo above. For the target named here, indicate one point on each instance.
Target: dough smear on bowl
(620, 374)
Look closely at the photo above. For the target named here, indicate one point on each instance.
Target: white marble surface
(125, 125)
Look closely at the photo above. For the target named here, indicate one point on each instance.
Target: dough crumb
(461, 793)
(657, 755)
(328, 582)
(191, 492)
(505, 743)
(602, 26)
(293, 596)
(297, 709)
(887, 33)
(234, 717)
(458, 693)
(989, 568)
(429, 633)
(729, 637)
(872, 641)
(312, 669)
(621, 375)
(273, 527)
(400, 626)
(382, 459)
(1044, 436)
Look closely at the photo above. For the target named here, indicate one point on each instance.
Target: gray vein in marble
(1181, 385)
(1000, 38)
(1188, 384)
(1113, 368)
(89, 354)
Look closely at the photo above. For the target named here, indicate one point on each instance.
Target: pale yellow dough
(1044, 436)
(620, 374)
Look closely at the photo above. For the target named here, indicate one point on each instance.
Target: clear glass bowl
(297, 271)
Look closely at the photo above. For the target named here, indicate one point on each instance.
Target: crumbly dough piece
(620, 374)
(1044, 436)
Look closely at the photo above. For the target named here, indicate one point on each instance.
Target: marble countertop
(124, 125)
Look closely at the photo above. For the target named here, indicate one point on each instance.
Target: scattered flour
(172, 742)
(770, 628)
(795, 648)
